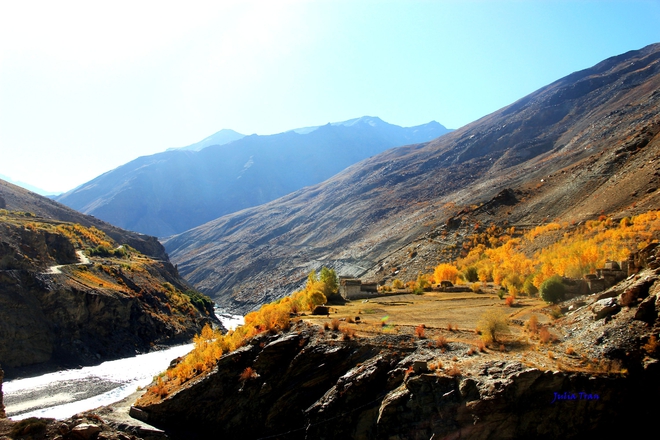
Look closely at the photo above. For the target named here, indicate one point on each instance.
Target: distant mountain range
(173, 191)
(585, 145)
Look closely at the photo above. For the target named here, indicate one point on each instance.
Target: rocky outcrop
(58, 309)
(305, 386)
(2, 406)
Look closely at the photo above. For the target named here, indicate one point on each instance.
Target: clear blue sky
(87, 86)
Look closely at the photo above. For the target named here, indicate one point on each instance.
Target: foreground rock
(306, 385)
(309, 383)
(86, 426)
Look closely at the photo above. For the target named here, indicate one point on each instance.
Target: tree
(493, 323)
(331, 283)
(445, 272)
(470, 274)
(552, 290)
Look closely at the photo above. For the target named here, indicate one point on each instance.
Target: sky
(88, 86)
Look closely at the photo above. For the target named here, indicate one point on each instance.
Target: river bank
(64, 393)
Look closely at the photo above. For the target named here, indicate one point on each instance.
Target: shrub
(247, 374)
(552, 290)
(533, 324)
(545, 336)
(492, 324)
(419, 331)
(501, 293)
(651, 345)
(348, 333)
(454, 371)
(510, 300)
(441, 341)
(397, 284)
(334, 324)
(481, 346)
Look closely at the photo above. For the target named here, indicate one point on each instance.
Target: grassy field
(436, 310)
(454, 317)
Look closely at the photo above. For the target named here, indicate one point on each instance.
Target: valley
(513, 269)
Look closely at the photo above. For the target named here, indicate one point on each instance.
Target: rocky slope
(308, 383)
(584, 145)
(15, 198)
(171, 192)
(72, 295)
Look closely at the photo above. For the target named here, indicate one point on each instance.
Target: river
(64, 393)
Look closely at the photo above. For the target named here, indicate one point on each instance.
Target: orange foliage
(445, 272)
(580, 251)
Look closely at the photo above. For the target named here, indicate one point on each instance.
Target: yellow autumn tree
(445, 272)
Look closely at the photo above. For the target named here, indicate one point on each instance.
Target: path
(82, 259)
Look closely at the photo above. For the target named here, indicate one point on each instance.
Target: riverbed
(64, 393)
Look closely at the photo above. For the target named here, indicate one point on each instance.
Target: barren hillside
(584, 145)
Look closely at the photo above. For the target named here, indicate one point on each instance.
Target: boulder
(85, 431)
(605, 307)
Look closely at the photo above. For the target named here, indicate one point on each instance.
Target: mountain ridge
(176, 190)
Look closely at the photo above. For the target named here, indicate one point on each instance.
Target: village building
(354, 288)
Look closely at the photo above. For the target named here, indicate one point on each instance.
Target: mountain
(582, 146)
(222, 137)
(34, 189)
(171, 192)
(75, 290)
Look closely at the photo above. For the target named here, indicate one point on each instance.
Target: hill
(584, 145)
(171, 192)
(80, 292)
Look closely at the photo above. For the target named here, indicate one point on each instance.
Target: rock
(321, 310)
(605, 307)
(366, 393)
(646, 311)
(85, 431)
(2, 406)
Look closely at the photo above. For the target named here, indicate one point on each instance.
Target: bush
(492, 324)
(552, 290)
(533, 324)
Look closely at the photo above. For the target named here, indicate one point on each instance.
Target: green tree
(331, 283)
(552, 290)
(470, 274)
(529, 287)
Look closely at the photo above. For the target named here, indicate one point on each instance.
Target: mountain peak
(222, 137)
